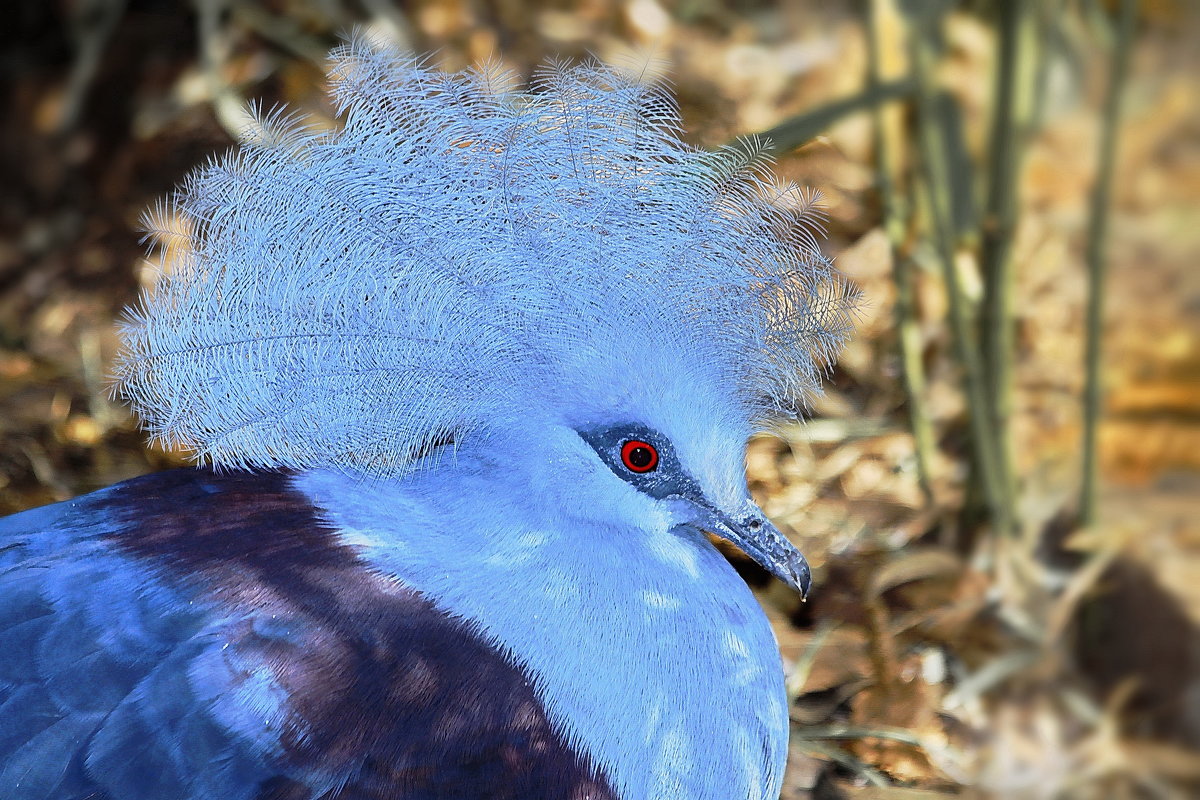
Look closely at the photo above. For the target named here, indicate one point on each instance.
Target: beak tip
(763, 542)
(803, 581)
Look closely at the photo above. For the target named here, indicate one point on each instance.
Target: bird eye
(639, 456)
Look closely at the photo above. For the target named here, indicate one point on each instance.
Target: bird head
(708, 497)
(465, 261)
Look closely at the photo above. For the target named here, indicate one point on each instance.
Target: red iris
(639, 456)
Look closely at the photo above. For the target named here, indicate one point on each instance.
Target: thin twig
(1096, 259)
(844, 759)
(91, 26)
(285, 31)
(228, 104)
(854, 733)
(803, 667)
(895, 217)
(389, 16)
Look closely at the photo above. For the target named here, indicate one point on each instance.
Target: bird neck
(650, 652)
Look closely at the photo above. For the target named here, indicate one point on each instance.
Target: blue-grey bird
(469, 380)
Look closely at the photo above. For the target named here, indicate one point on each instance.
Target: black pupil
(640, 457)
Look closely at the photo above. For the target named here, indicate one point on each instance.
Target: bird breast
(648, 652)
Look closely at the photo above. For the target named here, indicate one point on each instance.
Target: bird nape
(469, 381)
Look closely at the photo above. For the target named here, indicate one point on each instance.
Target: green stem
(1010, 126)
(932, 147)
(797, 130)
(1096, 259)
(895, 224)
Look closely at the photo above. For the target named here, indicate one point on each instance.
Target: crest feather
(462, 255)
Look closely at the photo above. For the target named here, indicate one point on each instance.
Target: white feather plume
(461, 256)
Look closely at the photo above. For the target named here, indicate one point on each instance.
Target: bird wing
(111, 678)
(189, 634)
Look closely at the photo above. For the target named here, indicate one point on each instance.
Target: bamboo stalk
(1096, 258)
(895, 217)
(932, 147)
(1011, 119)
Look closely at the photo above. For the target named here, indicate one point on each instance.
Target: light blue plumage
(461, 258)
(476, 371)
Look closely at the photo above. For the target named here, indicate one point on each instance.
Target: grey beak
(758, 538)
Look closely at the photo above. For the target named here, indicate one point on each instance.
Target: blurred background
(1000, 489)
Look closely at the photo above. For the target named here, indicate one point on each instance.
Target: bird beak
(754, 534)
